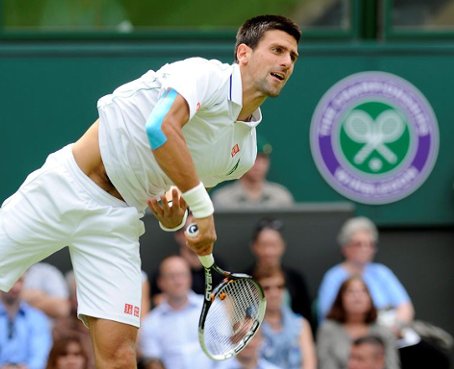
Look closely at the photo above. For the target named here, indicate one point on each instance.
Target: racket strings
(231, 316)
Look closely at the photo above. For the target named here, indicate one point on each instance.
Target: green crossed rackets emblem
(374, 138)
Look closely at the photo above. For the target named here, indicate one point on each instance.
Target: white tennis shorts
(58, 206)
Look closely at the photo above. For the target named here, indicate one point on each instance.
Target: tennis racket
(232, 311)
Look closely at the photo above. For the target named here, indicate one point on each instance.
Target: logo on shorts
(132, 310)
(374, 137)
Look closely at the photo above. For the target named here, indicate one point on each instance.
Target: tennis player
(191, 124)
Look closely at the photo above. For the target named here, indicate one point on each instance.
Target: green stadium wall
(48, 94)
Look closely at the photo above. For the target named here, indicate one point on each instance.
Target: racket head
(232, 317)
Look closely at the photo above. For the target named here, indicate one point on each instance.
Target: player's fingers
(165, 204)
(182, 203)
(154, 207)
(175, 196)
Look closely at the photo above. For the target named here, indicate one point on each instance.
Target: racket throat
(208, 285)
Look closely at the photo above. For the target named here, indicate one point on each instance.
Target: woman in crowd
(268, 247)
(352, 315)
(68, 353)
(287, 337)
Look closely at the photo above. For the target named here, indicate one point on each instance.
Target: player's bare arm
(174, 158)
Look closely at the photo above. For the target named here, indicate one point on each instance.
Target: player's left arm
(164, 130)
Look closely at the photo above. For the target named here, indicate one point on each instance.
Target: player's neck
(252, 100)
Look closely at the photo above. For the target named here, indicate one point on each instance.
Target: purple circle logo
(374, 137)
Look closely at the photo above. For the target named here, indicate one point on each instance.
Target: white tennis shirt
(222, 148)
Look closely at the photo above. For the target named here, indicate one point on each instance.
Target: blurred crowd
(361, 317)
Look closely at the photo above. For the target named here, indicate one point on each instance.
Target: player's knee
(122, 356)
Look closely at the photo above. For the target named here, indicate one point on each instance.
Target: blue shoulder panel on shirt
(155, 135)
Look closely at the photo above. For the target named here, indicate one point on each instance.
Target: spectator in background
(268, 247)
(367, 352)
(72, 326)
(249, 357)
(169, 331)
(25, 332)
(153, 364)
(68, 353)
(352, 315)
(45, 289)
(253, 190)
(288, 339)
(358, 239)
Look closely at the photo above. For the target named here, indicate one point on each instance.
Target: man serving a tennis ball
(190, 124)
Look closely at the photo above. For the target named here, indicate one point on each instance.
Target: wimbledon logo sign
(374, 137)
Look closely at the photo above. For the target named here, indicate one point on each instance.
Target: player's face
(271, 63)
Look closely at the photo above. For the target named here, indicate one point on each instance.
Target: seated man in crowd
(253, 189)
(169, 331)
(25, 332)
(45, 289)
(367, 352)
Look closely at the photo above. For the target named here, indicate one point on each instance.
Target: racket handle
(206, 260)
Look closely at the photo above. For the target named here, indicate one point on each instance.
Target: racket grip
(207, 260)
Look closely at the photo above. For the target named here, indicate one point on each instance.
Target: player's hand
(169, 212)
(202, 243)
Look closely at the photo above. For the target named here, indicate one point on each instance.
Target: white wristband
(199, 201)
(181, 225)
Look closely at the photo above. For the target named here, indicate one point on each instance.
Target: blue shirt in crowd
(26, 339)
(385, 289)
(283, 347)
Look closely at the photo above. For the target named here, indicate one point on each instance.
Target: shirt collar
(236, 95)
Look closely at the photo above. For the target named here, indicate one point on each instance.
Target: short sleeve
(196, 79)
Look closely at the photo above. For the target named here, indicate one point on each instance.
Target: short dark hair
(252, 30)
(369, 340)
(267, 223)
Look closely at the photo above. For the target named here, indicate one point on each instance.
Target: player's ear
(243, 53)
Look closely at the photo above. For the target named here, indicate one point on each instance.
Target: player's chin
(274, 92)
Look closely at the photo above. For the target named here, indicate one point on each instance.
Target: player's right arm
(164, 130)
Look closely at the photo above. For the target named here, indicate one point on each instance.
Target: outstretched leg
(114, 343)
